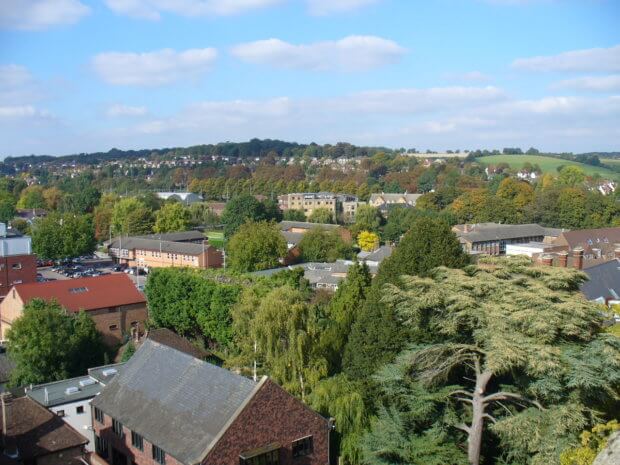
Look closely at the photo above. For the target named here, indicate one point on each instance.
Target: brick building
(341, 206)
(188, 248)
(168, 407)
(492, 238)
(17, 262)
(113, 302)
(35, 436)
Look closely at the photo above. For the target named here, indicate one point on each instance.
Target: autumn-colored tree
(368, 241)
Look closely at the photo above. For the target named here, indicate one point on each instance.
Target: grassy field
(216, 238)
(547, 164)
(611, 161)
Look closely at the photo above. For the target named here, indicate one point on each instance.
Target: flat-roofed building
(492, 238)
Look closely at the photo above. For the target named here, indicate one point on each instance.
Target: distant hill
(546, 164)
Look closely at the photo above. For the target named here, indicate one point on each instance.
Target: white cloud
(352, 53)
(119, 110)
(22, 111)
(152, 9)
(153, 68)
(326, 7)
(588, 60)
(470, 76)
(40, 14)
(591, 83)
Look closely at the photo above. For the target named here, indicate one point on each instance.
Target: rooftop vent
(72, 390)
(87, 382)
(78, 290)
(109, 372)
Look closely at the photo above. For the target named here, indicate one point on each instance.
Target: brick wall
(114, 323)
(123, 445)
(273, 416)
(15, 269)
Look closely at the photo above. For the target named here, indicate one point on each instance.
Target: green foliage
(294, 215)
(171, 217)
(130, 349)
(131, 217)
(241, 209)
(7, 206)
(367, 218)
(321, 245)
(321, 215)
(571, 176)
(185, 301)
(533, 336)
(32, 197)
(256, 246)
(47, 345)
(592, 443)
(59, 236)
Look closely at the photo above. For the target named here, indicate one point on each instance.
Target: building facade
(114, 303)
(341, 206)
(492, 238)
(169, 408)
(18, 264)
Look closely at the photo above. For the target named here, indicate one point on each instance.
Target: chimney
(5, 401)
(546, 260)
(578, 258)
(563, 259)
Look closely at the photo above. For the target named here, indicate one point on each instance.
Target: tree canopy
(256, 246)
(321, 245)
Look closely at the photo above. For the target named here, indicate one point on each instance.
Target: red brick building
(168, 407)
(116, 306)
(17, 262)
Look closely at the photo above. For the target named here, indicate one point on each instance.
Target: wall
(122, 317)
(10, 309)
(273, 416)
(81, 422)
(15, 270)
(123, 445)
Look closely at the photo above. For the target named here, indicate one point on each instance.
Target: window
(98, 415)
(17, 281)
(159, 455)
(113, 327)
(302, 447)
(79, 410)
(101, 447)
(16, 266)
(117, 427)
(137, 441)
(267, 458)
(60, 413)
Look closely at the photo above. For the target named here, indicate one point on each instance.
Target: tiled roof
(592, 238)
(603, 282)
(36, 431)
(84, 293)
(492, 231)
(174, 400)
(179, 236)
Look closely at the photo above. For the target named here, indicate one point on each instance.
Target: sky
(91, 75)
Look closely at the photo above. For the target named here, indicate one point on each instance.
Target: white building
(186, 198)
(70, 398)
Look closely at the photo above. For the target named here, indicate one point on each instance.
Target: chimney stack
(5, 401)
(546, 260)
(563, 259)
(578, 258)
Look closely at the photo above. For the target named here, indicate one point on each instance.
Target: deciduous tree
(256, 246)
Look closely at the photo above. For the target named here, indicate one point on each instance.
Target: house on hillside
(114, 303)
(167, 407)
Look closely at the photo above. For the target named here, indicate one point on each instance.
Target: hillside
(547, 164)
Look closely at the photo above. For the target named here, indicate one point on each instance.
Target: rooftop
(286, 225)
(175, 400)
(140, 243)
(603, 282)
(36, 431)
(378, 255)
(494, 231)
(178, 236)
(169, 338)
(84, 293)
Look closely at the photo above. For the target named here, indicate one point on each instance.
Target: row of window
(137, 441)
(301, 448)
(79, 410)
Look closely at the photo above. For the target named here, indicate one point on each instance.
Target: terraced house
(167, 407)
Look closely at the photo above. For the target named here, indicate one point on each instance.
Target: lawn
(611, 161)
(216, 238)
(547, 164)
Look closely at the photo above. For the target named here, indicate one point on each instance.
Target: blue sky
(89, 75)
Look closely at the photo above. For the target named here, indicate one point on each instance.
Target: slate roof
(378, 255)
(179, 236)
(86, 294)
(292, 237)
(36, 431)
(140, 243)
(171, 339)
(492, 231)
(603, 282)
(588, 238)
(174, 400)
(286, 225)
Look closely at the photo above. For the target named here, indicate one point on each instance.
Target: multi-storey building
(70, 399)
(340, 205)
(167, 407)
(189, 249)
(17, 262)
(116, 306)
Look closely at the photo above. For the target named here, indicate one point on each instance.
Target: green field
(611, 161)
(547, 164)
(216, 238)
